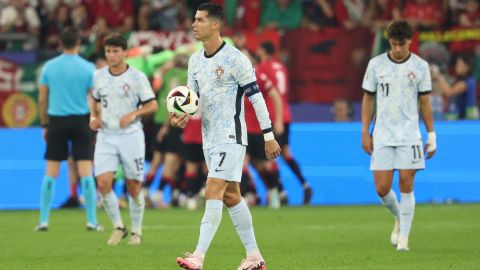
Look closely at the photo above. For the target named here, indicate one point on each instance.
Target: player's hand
(367, 143)
(272, 149)
(179, 121)
(278, 128)
(127, 119)
(430, 145)
(96, 124)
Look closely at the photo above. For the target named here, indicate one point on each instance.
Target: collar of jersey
(213, 54)
(120, 73)
(397, 62)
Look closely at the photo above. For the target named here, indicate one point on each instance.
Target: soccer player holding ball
(118, 91)
(398, 80)
(222, 75)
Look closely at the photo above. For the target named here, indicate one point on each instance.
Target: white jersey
(119, 95)
(397, 87)
(222, 79)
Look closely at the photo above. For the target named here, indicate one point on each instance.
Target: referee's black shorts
(73, 129)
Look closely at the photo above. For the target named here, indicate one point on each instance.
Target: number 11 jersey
(397, 86)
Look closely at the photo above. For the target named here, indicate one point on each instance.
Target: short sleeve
(145, 91)
(243, 73)
(369, 80)
(425, 82)
(191, 82)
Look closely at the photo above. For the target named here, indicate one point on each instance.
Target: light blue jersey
(69, 79)
(397, 87)
(119, 95)
(222, 79)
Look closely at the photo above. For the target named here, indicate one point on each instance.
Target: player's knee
(133, 188)
(104, 187)
(382, 191)
(231, 199)
(406, 186)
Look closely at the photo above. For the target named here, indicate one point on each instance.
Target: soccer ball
(181, 100)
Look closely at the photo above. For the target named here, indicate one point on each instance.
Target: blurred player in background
(118, 92)
(463, 92)
(278, 74)
(63, 101)
(222, 75)
(169, 146)
(195, 167)
(267, 168)
(397, 79)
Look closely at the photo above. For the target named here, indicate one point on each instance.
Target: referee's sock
(90, 193)
(46, 198)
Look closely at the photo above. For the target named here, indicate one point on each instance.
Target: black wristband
(44, 125)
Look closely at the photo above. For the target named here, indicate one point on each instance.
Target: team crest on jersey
(126, 87)
(219, 72)
(411, 78)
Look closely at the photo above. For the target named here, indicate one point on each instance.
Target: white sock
(110, 203)
(242, 221)
(137, 207)
(391, 202)
(210, 222)
(407, 209)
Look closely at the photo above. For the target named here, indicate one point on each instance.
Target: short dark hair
(70, 37)
(214, 11)
(115, 40)
(399, 30)
(268, 47)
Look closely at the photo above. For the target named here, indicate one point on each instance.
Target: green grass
(345, 237)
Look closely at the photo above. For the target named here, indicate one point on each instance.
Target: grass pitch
(330, 237)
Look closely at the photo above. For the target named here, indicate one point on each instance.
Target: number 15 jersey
(397, 86)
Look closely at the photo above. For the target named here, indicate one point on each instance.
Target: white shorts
(225, 161)
(397, 157)
(128, 150)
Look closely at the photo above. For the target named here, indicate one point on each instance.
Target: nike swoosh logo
(217, 170)
(414, 162)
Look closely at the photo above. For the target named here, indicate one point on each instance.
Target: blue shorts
(225, 161)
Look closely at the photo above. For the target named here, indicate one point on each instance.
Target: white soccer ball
(181, 100)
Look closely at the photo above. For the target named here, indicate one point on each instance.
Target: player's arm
(43, 104)
(42, 107)
(445, 88)
(367, 114)
(369, 86)
(424, 90)
(272, 149)
(427, 115)
(95, 112)
(245, 77)
(148, 107)
(278, 107)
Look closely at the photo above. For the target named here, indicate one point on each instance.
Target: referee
(65, 84)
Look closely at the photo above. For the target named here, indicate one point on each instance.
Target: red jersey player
(278, 74)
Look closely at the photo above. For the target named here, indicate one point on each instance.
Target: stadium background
(326, 60)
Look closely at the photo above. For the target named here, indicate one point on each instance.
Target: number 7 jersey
(397, 86)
